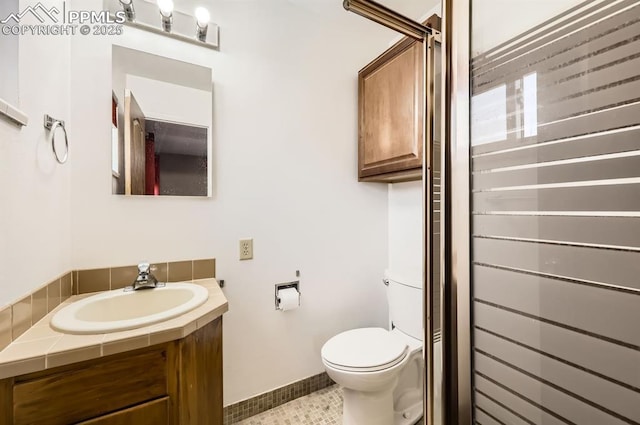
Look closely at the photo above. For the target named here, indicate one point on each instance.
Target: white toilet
(381, 371)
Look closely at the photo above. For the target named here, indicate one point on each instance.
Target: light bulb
(127, 6)
(203, 17)
(166, 7)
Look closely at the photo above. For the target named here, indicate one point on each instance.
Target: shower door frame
(385, 16)
(455, 290)
(457, 377)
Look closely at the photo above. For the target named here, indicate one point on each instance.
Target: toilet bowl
(381, 371)
(368, 363)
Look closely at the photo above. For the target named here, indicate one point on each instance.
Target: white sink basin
(118, 310)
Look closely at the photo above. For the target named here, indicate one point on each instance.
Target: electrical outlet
(246, 249)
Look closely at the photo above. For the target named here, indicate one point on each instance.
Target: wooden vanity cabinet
(175, 383)
(391, 113)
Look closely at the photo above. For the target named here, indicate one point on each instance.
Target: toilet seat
(364, 350)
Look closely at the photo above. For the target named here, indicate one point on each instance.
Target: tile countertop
(42, 348)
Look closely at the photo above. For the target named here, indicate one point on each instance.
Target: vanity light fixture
(203, 18)
(127, 6)
(166, 12)
(173, 23)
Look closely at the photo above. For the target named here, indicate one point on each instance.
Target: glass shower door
(555, 204)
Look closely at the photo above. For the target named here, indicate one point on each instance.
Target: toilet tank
(405, 306)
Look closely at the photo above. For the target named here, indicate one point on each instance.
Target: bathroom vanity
(134, 379)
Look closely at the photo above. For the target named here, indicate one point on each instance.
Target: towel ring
(52, 125)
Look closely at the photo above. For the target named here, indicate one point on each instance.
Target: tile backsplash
(15, 319)
(5, 327)
(95, 280)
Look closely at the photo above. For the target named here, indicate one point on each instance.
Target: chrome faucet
(145, 279)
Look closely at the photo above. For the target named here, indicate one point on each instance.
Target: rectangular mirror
(161, 117)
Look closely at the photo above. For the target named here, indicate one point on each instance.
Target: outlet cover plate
(246, 249)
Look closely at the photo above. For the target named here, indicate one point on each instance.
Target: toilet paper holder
(281, 286)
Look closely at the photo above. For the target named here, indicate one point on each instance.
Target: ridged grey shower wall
(556, 221)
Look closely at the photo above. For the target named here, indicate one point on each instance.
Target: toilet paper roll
(289, 299)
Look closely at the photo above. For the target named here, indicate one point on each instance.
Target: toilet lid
(366, 348)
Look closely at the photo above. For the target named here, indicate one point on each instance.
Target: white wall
(405, 232)
(9, 62)
(35, 209)
(405, 207)
(285, 132)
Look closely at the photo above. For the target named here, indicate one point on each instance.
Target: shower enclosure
(548, 296)
(532, 211)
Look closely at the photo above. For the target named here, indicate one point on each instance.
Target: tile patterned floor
(323, 407)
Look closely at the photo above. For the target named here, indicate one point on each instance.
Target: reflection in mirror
(160, 126)
(180, 158)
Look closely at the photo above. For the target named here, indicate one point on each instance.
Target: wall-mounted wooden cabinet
(176, 383)
(391, 113)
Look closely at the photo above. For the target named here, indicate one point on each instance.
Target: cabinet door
(201, 376)
(153, 413)
(391, 105)
(87, 390)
